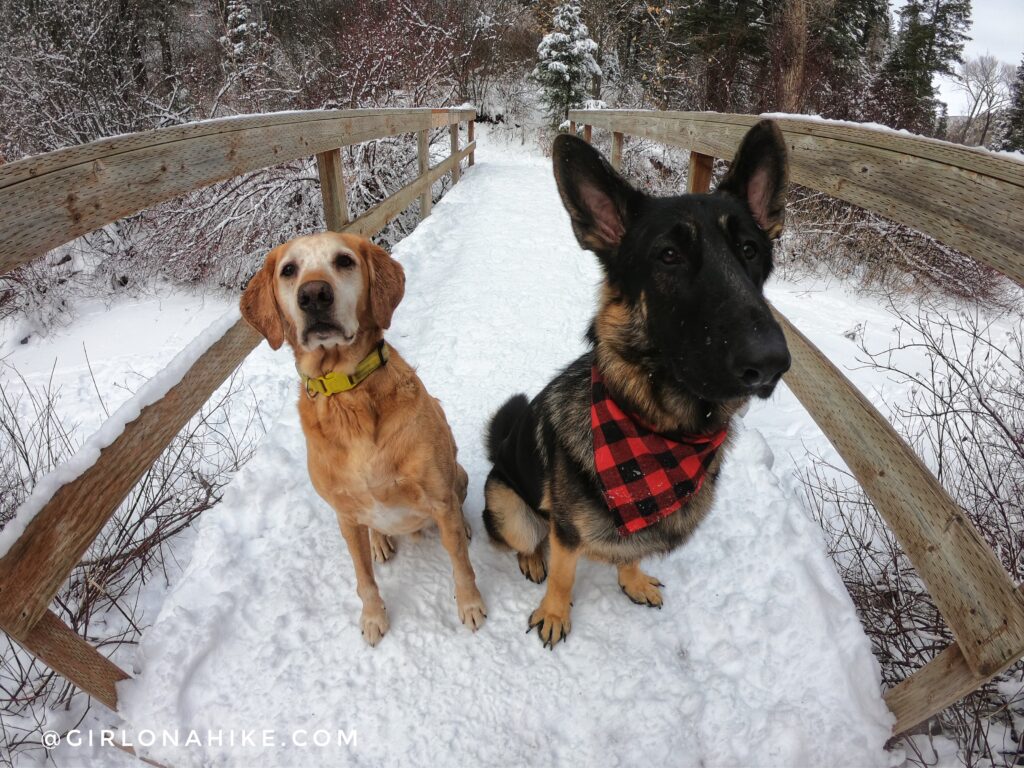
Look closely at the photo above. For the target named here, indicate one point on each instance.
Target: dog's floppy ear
(595, 196)
(759, 174)
(259, 304)
(387, 283)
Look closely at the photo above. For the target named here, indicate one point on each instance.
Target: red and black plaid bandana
(644, 476)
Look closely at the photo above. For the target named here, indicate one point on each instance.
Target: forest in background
(76, 71)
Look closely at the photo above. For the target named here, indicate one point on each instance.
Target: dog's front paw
(552, 626)
(642, 589)
(381, 546)
(374, 625)
(472, 611)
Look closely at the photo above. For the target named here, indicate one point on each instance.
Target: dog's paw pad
(374, 627)
(552, 627)
(382, 547)
(644, 590)
(533, 567)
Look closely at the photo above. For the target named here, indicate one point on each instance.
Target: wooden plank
(55, 540)
(456, 171)
(104, 149)
(377, 217)
(423, 153)
(698, 178)
(572, 127)
(968, 158)
(938, 684)
(53, 200)
(443, 117)
(963, 576)
(65, 652)
(970, 200)
(332, 189)
(470, 138)
(587, 135)
(617, 137)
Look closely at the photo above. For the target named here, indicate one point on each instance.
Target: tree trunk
(793, 64)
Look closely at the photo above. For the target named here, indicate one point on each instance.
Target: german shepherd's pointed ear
(596, 197)
(759, 175)
(387, 283)
(259, 304)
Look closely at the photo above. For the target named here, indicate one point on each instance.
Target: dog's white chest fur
(393, 520)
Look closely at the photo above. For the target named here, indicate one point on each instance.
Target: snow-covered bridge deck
(756, 659)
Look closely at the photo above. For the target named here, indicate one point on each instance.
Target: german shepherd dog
(682, 339)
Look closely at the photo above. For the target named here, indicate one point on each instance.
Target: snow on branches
(565, 63)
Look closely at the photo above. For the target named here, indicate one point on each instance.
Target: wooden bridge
(970, 200)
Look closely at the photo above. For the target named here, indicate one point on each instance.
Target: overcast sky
(998, 29)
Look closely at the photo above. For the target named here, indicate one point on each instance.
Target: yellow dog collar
(332, 383)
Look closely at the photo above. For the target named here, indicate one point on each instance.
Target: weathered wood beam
(332, 189)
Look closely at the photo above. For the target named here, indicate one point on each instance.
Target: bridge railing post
(332, 189)
(423, 153)
(698, 179)
(470, 138)
(617, 150)
(587, 133)
(456, 171)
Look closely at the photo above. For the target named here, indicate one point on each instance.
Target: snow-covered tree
(1012, 136)
(565, 63)
(930, 42)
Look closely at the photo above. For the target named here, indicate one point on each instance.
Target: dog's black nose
(315, 296)
(763, 362)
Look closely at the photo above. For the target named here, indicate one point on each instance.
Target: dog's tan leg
(472, 611)
(374, 619)
(382, 546)
(552, 617)
(638, 586)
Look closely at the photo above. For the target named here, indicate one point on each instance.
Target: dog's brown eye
(343, 261)
(670, 256)
(288, 270)
(749, 250)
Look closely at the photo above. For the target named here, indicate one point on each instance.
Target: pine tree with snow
(851, 41)
(565, 63)
(1012, 138)
(930, 42)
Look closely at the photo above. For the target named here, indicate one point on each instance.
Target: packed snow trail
(756, 659)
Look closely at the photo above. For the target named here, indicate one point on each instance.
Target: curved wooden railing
(969, 199)
(49, 200)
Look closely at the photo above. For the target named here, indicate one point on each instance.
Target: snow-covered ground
(756, 659)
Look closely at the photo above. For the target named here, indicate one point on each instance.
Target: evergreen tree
(725, 44)
(1012, 137)
(851, 39)
(930, 42)
(565, 63)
